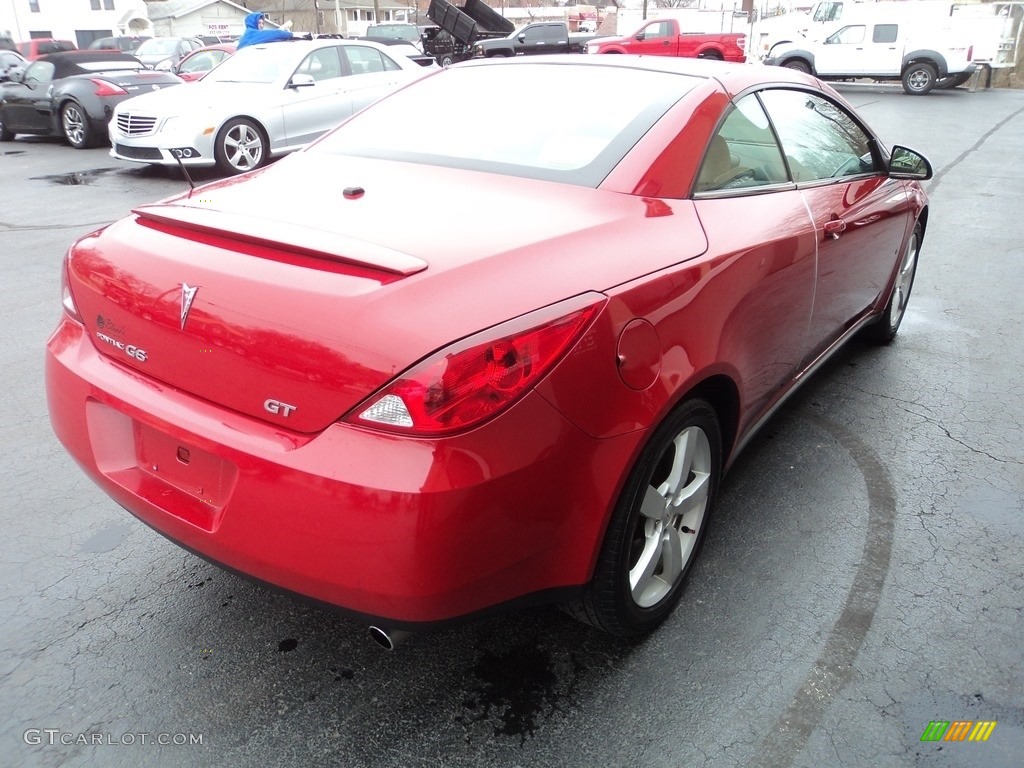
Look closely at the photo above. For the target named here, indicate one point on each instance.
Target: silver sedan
(263, 102)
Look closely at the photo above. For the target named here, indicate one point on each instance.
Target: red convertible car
(423, 374)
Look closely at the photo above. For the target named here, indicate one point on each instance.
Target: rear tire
(5, 135)
(799, 65)
(74, 124)
(884, 330)
(657, 526)
(712, 55)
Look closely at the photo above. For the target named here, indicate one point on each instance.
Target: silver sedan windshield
(256, 64)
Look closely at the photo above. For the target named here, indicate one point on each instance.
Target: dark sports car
(73, 94)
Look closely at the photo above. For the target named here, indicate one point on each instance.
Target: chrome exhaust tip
(388, 639)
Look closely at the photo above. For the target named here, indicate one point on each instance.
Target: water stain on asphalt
(518, 687)
(106, 539)
(13, 152)
(75, 178)
(287, 645)
(834, 668)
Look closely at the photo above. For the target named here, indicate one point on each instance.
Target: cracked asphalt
(863, 575)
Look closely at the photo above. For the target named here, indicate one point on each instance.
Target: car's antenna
(187, 177)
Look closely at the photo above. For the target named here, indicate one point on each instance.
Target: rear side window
(364, 60)
(885, 33)
(743, 153)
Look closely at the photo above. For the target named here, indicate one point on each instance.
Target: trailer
(459, 28)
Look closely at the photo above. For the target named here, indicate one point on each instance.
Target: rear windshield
(401, 31)
(108, 66)
(571, 124)
(56, 46)
(158, 46)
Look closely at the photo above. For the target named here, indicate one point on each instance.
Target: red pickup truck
(663, 37)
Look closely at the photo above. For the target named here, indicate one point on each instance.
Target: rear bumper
(402, 531)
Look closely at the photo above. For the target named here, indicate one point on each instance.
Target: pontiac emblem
(188, 293)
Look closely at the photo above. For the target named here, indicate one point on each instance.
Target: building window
(108, 5)
(33, 5)
(95, 4)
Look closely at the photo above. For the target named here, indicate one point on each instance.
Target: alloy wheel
(672, 512)
(74, 125)
(243, 147)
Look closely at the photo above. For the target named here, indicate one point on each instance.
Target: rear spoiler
(282, 235)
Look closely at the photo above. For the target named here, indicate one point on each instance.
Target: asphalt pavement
(862, 579)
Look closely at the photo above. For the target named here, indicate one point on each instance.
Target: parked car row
(262, 102)
(270, 101)
(73, 94)
(425, 422)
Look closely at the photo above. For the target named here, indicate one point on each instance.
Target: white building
(188, 18)
(83, 21)
(80, 21)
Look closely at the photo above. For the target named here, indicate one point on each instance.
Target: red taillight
(473, 380)
(104, 88)
(970, 53)
(66, 299)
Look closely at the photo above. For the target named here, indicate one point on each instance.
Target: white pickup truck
(920, 55)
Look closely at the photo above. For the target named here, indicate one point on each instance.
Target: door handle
(834, 227)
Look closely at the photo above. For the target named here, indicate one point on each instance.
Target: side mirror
(15, 74)
(301, 81)
(640, 35)
(522, 38)
(905, 163)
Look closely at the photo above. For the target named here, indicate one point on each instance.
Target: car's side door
(656, 39)
(315, 98)
(374, 74)
(762, 240)
(27, 103)
(843, 51)
(884, 51)
(861, 216)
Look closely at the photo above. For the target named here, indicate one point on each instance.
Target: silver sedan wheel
(243, 147)
(672, 512)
